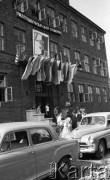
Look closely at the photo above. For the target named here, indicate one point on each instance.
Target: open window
(21, 5)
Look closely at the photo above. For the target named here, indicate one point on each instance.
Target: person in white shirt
(47, 109)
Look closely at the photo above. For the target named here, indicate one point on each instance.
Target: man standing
(78, 116)
(74, 119)
(47, 110)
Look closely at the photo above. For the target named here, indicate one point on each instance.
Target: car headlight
(91, 139)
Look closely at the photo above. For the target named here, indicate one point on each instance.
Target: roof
(98, 114)
(5, 127)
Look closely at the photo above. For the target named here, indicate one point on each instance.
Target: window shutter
(42, 14)
(21, 5)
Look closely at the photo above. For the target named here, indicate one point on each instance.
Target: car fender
(69, 149)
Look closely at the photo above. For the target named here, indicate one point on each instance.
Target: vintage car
(93, 133)
(31, 150)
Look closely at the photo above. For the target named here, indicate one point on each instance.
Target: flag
(28, 68)
(73, 72)
(21, 57)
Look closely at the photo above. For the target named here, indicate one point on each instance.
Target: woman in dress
(67, 126)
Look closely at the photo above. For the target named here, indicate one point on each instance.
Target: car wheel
(63, 168)
(101, 150)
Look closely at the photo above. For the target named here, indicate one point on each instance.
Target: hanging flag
(21, 57)
(73, 72)
(28, 68)
(16, 59)
(37, 64)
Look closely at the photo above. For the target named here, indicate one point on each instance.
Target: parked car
(30, 150)
(93, 133)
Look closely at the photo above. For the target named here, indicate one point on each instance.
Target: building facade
(54, 29)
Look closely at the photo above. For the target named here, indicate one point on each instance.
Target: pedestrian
(73, 119)
(79, 117)
(67, 127)
(47, 110)
(60, 122)
(38, 109)
(83, 113)
(55, 113)
(68, 104)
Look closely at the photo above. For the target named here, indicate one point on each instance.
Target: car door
(17, 159)
(44, 147)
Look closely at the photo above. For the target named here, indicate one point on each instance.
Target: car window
(6, 143)
(40, 136)
(93, 120)
(14, 140)
(108, 123)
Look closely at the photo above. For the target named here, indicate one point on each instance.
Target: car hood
(85, 130)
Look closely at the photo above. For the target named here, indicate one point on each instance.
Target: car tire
(63, 168)
(101, 150)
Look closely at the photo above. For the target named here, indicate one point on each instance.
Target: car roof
(6, 127)
(98, 114)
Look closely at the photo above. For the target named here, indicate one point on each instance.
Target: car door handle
(32, 152)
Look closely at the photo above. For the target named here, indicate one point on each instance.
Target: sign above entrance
(40, 43)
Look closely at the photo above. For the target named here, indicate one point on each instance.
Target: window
(40, 136)
(21, 6)
(78, 60)
(83, 31)
(95, 66)
(70, 91)
(20, 42)
(77, 55)
(74, 29)
(105, 94)
(86, 63)
(66, 53)
(90, 93)
(98, 95)
(35, 7)
(91, 35)
(41, 87)
(81, 92)
(98, 42)
(14, 140)
(5, 92)
(53, 50)
(103, 68)
(63, 22)
(1, 37)
(50, 16)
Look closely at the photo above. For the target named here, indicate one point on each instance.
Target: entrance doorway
(43, 97)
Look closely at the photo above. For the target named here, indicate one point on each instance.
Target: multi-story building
(57, 31)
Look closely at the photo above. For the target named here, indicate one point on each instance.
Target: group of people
(67, 123)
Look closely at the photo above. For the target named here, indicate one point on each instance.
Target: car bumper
(88, 149)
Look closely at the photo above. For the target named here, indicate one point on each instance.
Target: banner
(40, 43)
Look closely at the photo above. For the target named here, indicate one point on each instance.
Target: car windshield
(93, 120)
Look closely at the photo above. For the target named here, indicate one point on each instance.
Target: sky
(97, 11)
